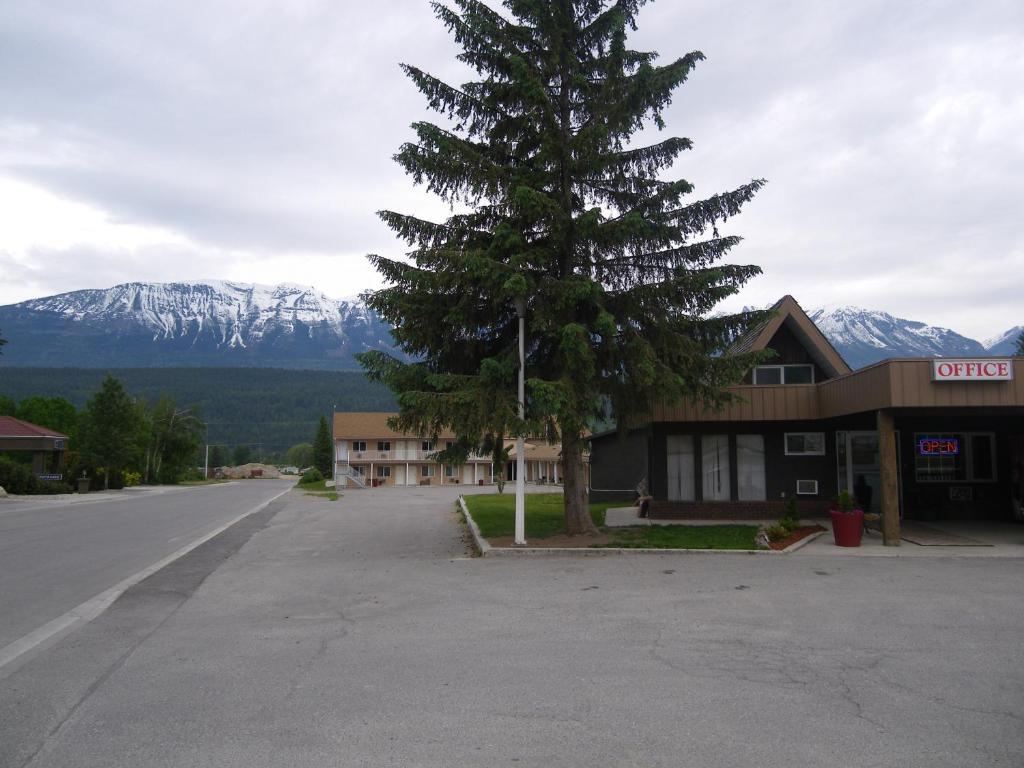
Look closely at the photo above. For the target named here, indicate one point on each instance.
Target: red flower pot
(847, 527)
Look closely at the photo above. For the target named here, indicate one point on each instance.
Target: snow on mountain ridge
(235, 314)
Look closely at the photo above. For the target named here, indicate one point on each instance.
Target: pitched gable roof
(787, 311)
(12, 427)
(350, 425)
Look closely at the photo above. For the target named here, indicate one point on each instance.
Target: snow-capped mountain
(213, 322)
(219, 322)
(865, 336)
(1005, 343)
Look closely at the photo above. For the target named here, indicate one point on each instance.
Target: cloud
(260, 137)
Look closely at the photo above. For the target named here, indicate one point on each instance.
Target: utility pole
(520, 537)
(334, 451)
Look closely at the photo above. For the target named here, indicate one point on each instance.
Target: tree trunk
(577, 511)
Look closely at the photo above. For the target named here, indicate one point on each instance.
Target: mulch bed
(793, 538)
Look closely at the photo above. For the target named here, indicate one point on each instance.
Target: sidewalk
(994, 540)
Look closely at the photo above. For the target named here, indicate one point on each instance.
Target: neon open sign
(938, 446)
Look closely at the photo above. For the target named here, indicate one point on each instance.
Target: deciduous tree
(556, 207)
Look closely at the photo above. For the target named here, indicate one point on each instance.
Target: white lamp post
(520, 538)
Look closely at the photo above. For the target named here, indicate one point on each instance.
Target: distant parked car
(289, 470)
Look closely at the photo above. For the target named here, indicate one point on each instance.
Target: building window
(715, 466)
(427, 470)
(750, 474)
(954, 457)
(448, 444)
(681, 486)
(358, 446)
(449, 471)
(805, 443)
(384, 471)
(383, 445)
(783, 374)
(427, 445)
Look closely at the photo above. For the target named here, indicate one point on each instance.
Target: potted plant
(847, 521)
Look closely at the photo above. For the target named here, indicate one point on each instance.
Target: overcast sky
(252, 140)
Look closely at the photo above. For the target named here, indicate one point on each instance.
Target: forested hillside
(268, 409)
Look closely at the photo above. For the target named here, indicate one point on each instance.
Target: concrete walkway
(358, 633)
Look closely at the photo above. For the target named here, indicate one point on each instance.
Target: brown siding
(889, 384)
(866, 390)
(774, 403)
(912, 387)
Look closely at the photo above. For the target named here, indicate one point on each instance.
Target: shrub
(790, 520)
(132, 478)
(311, 476)
(19, 479)
(778, 532)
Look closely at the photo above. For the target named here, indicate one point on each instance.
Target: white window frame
(358, 446)
(427, 470)
(782, 374)
(383, 446)
(383, 470)
(800, 492)
(428, 446)
(449, 470)
(785, 444)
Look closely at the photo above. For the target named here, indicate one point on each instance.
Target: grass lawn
(685, 537)
(545, 514)
(320, 489)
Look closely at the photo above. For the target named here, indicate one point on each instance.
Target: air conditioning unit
(806, 487)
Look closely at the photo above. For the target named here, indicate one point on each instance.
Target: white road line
(93, 607)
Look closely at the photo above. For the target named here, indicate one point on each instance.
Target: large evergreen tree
(322, 453)
(557, 209)
(110, 428)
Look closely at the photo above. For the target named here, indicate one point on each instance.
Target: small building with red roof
(47, 446)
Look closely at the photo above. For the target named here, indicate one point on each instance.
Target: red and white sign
(985, 369)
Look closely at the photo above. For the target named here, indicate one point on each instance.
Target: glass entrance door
(859, 468)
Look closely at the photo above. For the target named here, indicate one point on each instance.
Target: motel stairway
(345, 470)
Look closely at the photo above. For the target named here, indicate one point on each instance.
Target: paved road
(55, 555)
(358, 634)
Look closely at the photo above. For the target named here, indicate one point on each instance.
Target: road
(55, 555)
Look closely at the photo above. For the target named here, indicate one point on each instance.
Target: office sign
(985, 369)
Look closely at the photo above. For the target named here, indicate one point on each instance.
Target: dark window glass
(765, 374)
(799, 374)
(982, 464)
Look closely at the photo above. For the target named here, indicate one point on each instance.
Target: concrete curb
(486, 550)
(479, 542)
(803, 542)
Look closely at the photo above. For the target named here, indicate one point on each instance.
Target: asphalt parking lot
(359, 633)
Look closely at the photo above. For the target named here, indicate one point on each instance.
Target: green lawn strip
(545, 514)
(319, 489)
(684, 537)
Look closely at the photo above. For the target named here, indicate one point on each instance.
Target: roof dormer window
(765, 375)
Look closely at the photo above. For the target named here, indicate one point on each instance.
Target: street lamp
(520, 537)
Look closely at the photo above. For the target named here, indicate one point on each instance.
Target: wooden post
(890, 479)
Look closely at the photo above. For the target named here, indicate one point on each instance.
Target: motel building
(368, 453)
(922, 439)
